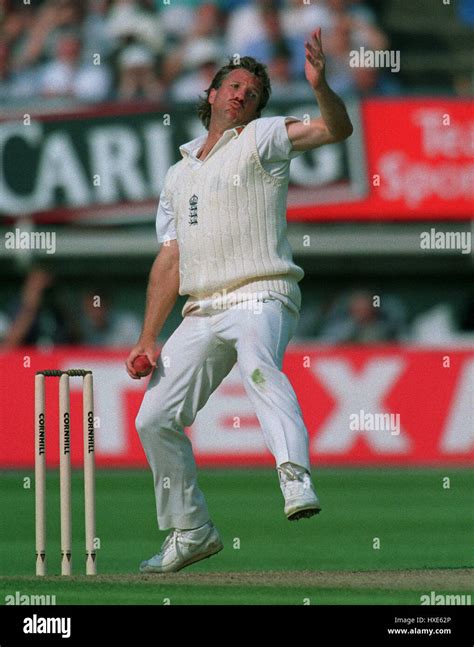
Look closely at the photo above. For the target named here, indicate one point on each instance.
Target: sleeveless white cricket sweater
(230, 218)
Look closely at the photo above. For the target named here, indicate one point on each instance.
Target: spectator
(137, 76)
(103, 326)
(362, 21)
(354, 319)
(42, 315)
(337, 47)
(16, 81)
(207, 21)
(15, 28)
(18, 86)
(354, 26)
(177, 19)
(274, 50)
(265, 48)
(96, 39)
(283, 86)
(128, 23)
(54, 18)
(246, 26)
(202, 45)
(66, 76)
(194, 18)
(298, 20)
(138, 40)
(373, 82)
(202, 60)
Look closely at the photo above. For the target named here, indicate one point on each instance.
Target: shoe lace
(169, 542)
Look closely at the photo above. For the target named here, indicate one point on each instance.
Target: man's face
(237, 99)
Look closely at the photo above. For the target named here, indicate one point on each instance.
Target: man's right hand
(142, 348)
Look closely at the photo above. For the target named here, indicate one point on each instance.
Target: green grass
(420, 525)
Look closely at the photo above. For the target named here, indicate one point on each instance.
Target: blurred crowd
(361, 317)
(46, 313)
(98, 50)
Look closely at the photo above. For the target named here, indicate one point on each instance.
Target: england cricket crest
(193, 210)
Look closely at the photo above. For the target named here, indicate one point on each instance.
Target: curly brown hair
(247, 63)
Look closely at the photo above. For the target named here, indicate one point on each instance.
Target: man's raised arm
(334, 124)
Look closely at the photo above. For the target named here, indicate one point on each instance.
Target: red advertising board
(419, 159)
(361, 406)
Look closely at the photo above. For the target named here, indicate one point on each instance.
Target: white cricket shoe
(184, 547)
(300, 497)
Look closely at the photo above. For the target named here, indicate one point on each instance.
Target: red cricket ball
(142, 366)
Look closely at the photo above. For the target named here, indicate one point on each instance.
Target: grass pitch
(384, 537)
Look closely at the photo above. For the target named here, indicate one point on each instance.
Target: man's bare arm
(162, 292)
(334, 124)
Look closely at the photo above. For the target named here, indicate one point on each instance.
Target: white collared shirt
(274, 149)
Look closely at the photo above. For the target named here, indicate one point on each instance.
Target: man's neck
(215, 133)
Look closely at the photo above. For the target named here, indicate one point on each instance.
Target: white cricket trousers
(192, 364)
